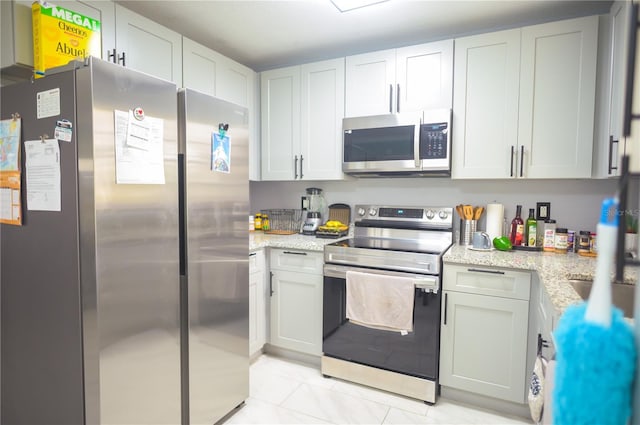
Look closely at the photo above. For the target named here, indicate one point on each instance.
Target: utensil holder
(467, 227)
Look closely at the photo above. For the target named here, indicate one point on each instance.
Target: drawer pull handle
(253, 254)
(295, 253)
(486, 271)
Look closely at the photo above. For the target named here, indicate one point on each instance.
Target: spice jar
(593, 247)
(584, 240)
(560, 240)
(265, 222)
(571, 239)
(548, 243)
(257, 222)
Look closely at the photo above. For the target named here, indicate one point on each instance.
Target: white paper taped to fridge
(139, 149)
(42, 164)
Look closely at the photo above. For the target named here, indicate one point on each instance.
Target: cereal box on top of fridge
(61, 35)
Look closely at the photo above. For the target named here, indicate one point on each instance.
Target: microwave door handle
(416, 144)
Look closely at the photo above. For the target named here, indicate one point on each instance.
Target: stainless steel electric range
(388, 241)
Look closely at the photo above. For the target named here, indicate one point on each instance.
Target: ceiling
(269, 34)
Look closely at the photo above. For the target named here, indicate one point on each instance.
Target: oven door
(415, 353)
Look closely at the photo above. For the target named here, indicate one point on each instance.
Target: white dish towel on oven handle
(380, 301)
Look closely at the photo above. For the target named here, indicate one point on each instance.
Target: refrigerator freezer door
(42, 367)
(129, 246)
(216, 290)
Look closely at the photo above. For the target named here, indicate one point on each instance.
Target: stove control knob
(361, 212)
(373, 212)
(443, 215)
(430, 214)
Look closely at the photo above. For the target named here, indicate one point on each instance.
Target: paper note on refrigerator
(139, 145)
(42, 163)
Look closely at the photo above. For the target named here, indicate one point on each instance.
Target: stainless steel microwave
(398, 144)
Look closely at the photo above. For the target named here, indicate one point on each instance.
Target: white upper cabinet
(302, 110)
(147, 46)
(210, 72)
(610, 143)
(412, 78)
(524, 102)
(485, 105)
(557, 98)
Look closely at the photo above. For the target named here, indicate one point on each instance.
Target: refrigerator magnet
(220, 152)
(63, 131)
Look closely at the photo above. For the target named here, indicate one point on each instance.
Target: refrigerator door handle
(271, 284)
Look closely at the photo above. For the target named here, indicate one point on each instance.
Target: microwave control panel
(434, 141)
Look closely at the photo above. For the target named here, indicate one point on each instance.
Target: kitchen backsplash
(575, 204)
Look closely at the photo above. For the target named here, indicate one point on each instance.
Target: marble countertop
(259, 240)
(554, 270)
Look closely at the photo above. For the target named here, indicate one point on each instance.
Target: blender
(317, 213)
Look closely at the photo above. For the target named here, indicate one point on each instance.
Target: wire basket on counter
(284, 221)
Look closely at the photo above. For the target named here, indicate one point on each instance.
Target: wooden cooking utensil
(468, 212)
(478, 212)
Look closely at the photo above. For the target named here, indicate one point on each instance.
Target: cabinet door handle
(271, 284)
(611, 142)
(398, 97)
(295, 167)
(486, 271)
(512, 152)
(111, 56)
(294, 253)
(446, 303)
(253, 254)
(301, 159)
(521, 160)
(391, 98)
(631, 65)
(121, 59)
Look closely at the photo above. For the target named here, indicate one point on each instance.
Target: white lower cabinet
(483, 340)
(296, 300)
(257, 301)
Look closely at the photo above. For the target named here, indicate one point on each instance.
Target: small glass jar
(549, 244)
(593, 247)
(265, 222)
(560, 240)
(257, 222)
(571, 240)
(584, 240)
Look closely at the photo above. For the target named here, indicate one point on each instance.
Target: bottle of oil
(531, 228)
(516, 235)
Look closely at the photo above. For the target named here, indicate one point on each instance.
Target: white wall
(574, 203)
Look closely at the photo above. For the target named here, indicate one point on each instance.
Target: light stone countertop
(554, 270)
(259, 240)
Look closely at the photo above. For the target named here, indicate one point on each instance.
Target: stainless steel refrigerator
(114, 311)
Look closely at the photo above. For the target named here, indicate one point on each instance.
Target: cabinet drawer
(256, 261)
(296, 260)
(487, 281)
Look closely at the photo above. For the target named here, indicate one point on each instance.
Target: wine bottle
(531, 228)
(517, 228)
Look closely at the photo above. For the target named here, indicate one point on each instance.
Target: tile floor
(286, 392)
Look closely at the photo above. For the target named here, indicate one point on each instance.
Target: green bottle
(531, 228)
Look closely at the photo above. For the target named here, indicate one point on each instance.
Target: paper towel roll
(495, 220)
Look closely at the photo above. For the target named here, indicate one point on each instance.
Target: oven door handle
(429, 283)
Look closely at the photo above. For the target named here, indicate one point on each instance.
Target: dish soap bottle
(531, 227)
(516, 234)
